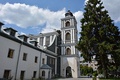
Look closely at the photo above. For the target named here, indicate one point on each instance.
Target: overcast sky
(41, 16)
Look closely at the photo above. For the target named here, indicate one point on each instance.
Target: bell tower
(69, 54)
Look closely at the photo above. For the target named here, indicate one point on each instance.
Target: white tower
(69, 54)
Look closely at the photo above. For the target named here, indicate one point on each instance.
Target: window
(41, 41)
(67, 24)
(25, 39)
(43, 61)
(67, 36)
(10, 53)
(68, 51)
(12, 33)
(34, 74)
(53, 61)
(47, 40)
(52, 37)
(22, 75)
(50, 60)
(36, 58)
(24, 56)
(6, 74)
(43, 73)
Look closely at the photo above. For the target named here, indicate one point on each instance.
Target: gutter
(18, 60)
(40, 63)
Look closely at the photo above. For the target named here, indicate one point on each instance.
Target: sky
(42, 16)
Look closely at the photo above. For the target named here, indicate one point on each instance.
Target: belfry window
(67, 24)
(68, 51)
(67, 36)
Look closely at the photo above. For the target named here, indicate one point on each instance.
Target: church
(45, 55)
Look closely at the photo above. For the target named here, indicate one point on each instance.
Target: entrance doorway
(68, 72)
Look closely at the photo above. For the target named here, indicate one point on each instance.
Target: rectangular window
(24, 56)
(36, 59)
(52, 37)
(22, 74)
(50, 60)
(6, 74)
(47, 40)
(10, 53)
(12, 33)
(43, 61)
(53, 61)
(41, 41)
(25, 39)
(34, 74)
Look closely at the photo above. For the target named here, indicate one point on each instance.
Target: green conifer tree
(99, 36)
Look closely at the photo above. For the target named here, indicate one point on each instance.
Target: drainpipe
(40, 63)
(18, 60)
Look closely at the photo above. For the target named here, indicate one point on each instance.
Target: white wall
(29, 65)
(10, 63)
(69, 61)
(5, 62)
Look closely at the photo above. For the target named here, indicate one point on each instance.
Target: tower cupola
(68, 14)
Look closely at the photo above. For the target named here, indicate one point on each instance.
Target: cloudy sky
(41, 16)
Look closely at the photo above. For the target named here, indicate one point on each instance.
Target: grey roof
(45, 66)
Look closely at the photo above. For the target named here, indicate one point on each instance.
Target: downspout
(40, 63)
(18, 60)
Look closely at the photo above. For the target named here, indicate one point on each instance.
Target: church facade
(44, 55)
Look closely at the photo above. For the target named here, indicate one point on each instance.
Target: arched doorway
(68, 72)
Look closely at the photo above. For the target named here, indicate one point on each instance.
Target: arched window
(43, 73)
(67, 36)
(68, 51)
(67, 24)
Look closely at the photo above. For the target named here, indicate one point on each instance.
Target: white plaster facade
(5, 62)
(15, 65)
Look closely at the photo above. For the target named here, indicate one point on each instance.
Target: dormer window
(23, 37)
(34, 43)
(10, 31)
(67, 24)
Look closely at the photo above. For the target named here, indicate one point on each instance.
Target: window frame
(47, 40)
(36, 59)
(24, 57)
(10, 53)
(43, 73)
(34, 74)
(43, 60)
(6, 74)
